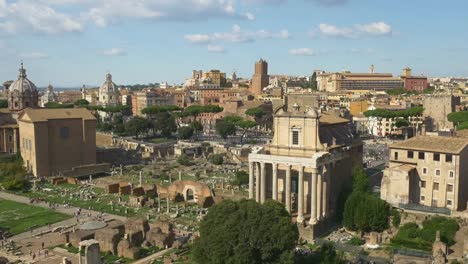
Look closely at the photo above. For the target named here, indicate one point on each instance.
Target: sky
(69, 43)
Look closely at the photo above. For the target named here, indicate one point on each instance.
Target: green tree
(165, 123)
(217, 159)
(137, 126)
(57, 105)
(328, 254)
(184, 160)
(225, 128)
(12, 173)
(256, 112)
(363, 211)
(81, 103)
(246, 232)
(313, 81)
(185, 132)
(3, 103)
(242, 178)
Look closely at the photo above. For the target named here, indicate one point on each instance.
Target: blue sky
(75, 42)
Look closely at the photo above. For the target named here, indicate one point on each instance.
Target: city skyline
(69, 43)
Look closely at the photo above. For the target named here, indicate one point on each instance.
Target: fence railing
(426, 209)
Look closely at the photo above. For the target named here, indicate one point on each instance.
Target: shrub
(217, 159)
(184, 160)
(396, 218)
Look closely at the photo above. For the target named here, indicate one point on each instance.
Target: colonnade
(318, 192)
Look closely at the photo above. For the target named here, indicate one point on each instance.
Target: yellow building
(427, 171)
(57, 140)
(357, 107)
(215, 77)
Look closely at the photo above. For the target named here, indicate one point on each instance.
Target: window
(295, 137)
(449, 203)
(421, 155)
(451, 174)
(437, 172)
(396, 155)
(64, 132)
(424, 171)
(436, 157)
(10, 138)
(434, 202)
(423, 197)
(436, 186)
(448, 158)
(449, 188)
(423, 184)
(410, 154)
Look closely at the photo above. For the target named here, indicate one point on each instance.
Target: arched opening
(189, 195)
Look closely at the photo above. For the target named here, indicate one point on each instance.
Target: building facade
(143, 99)
(436, 109)
(308, 162)
(260, 79)
(56, 140)
(48, 96)
(413, 83)
(431, 171)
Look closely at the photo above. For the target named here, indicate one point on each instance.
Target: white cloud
(237, 35)
(216, 48)
(198, 38)
(356, 31)
(33, 55)
(249, 16)
(114, 52)
(302, 52)
(28, 15)
(376, 28)
(103, 12)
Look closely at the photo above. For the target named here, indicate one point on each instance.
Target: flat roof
(41, 115)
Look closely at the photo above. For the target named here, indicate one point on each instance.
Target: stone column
(288, 188)
(313, 198)
(325, 199)
(275, 181)
(257, 182)
(262, 182)
(300, 207)
(251, 180)
(319, 195)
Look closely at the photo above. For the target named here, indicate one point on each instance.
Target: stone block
(108, 239)
(80, 235)
(125, 250)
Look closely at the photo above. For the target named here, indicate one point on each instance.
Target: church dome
(23, 84)
(108, 86)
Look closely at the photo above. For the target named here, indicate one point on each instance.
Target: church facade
(307, 164)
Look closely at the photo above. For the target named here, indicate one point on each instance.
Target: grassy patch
(19, 217)
(411, 236)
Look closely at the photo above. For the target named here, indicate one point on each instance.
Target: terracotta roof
(331, 119)
(453, 145)
(42, 115)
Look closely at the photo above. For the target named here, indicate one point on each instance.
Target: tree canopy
(195, 110)
(81, 102)
(3, 103)
(460, 119)
(246, 232)
(159, 108)
(363, 211)
(57, 105)
(384, 113)
(137, 126)
(185, 132)
(12, 173)
(256, 112)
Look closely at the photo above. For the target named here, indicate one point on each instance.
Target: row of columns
(318, 197)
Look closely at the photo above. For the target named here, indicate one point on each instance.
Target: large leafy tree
(313, 81)
(225, 128)
(363, 211)
(460, 119)
(256, 112)
(246, 232)
(137, 126)
(165, 123)
(185, 132)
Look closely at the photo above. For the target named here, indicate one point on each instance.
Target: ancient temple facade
(308, 162)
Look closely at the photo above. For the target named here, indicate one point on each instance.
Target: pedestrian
(34, 256)
(46, 252)
(42, 245)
